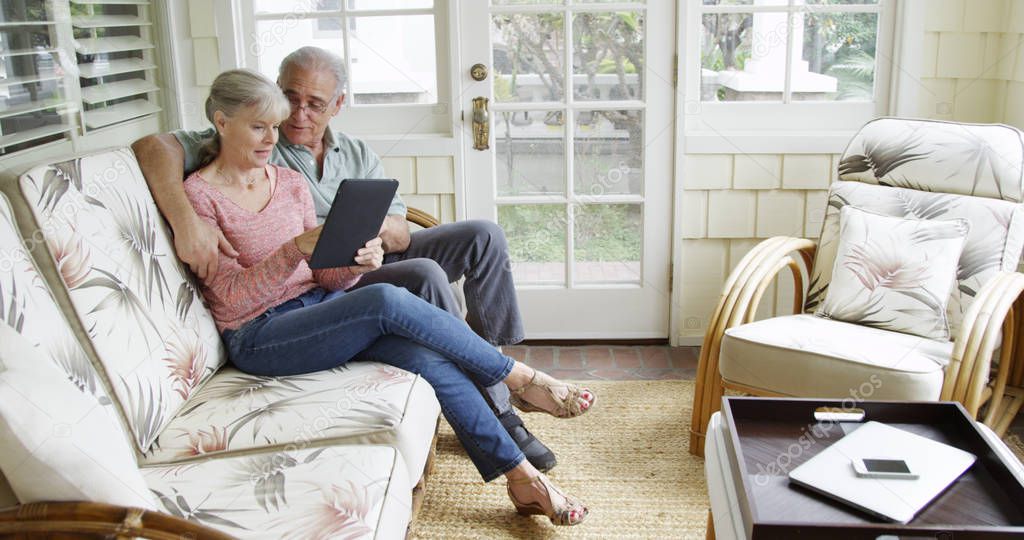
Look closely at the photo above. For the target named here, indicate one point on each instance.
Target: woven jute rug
(628, 459)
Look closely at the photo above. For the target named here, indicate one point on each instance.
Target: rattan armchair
(981, 366)
(98, 520)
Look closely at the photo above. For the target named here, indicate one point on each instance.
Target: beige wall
(426, 182)
(733, 201)
(971, 69)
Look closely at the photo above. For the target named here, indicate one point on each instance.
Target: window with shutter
(69, 68)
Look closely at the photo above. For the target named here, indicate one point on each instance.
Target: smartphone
(883, 468)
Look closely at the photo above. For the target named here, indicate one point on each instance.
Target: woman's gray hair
(316, 59)
(239, 89)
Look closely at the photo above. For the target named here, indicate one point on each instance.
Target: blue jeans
(319, 330)
(476, 250)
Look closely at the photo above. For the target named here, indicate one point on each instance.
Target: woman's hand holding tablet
(355, 219)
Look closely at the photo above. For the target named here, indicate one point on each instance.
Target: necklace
(249, 181)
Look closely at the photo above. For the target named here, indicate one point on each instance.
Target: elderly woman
(279, 317)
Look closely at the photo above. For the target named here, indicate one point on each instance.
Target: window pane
(609, 1)
(841, 47)
(390, 4)
(608, 238)
(26, 10)
(609, 153)
(274, 39)
(34, 106)
(842, 2)
(393, 59)
(296, 7)
(525, 2)
(530, 153)
(33, 113)
(606, 50)
(536, 241)
(730, 2)
(529, 57)
(726, 47)
(25, 39)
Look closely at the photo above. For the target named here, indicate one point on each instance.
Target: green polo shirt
(344, 157)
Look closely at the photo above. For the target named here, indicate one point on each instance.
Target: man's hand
(394, 233)
(199, 244)
(369, 258)
(162, 160)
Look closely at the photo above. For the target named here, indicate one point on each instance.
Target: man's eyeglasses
(315, 107)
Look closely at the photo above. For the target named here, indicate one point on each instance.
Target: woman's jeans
(320, 330)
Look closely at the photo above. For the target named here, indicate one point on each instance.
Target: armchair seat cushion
(334, 492)
(357, 403)
(807, 356)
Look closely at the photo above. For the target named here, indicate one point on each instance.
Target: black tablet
(355, 218)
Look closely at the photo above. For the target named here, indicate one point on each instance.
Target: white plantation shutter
(35, 98)
(114, 48)
(68, 69)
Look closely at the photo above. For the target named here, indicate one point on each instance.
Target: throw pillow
(894, 273)
(57, 443)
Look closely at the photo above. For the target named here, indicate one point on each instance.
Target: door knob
(481, 124)
(478, 72)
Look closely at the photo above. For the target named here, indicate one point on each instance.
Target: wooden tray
(768, 437)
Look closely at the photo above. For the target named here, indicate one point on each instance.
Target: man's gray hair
(315, 59)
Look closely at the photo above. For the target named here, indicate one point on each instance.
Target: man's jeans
(319, 330)
(439, 256)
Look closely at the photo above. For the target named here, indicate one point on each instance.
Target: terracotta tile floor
(626, 363)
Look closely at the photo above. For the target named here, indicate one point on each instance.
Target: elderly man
(424, 262)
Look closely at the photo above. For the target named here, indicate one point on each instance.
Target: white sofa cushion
(359, 402)
(894, 273)
(27, 306)
(59, 443)
(981, 160)
(993, 244)
(334, 492)
(156, 342)
(808, 356)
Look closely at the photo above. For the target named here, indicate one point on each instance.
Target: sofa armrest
(99, 519)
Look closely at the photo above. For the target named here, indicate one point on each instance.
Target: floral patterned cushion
(993, 243)
(27, 306)
(981, 160)
(894, 273)
(360, 402)
(350, 492)
(155, 341)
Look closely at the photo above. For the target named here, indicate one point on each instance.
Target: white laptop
(885, 471)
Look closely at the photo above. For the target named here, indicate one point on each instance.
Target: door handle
(481, 124)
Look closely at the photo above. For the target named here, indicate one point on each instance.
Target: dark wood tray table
(768, 437)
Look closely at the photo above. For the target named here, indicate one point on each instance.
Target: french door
(577, 168)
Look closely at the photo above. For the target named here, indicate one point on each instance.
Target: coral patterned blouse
(269, 269)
